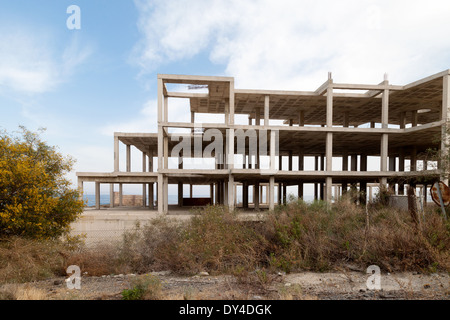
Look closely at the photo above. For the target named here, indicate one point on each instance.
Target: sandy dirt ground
(343, 285)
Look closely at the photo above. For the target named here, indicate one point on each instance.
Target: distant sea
(104, 199)
(173, 199)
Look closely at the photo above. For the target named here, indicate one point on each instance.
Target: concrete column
(111, 195)
(166, 195)
(120, 194)
(256, 196)
(225, 192)
(272, 150)
(392, 160)
(271, 193)
(160, 194)
(290, 161)
(231, 102)
(257, 123)
(321, 185)
(116, 154)
(345, 166)
(128, 158)
(257, 116)
(414, 159)
(354, 162)
(150, 160)
(151, 196)
(80, 189)
(144, 186)
(401, 168)
(97, 195)
(266, 110)
(227, 113)
(363, 184)
(425, 195)
(166, 152)
(301, 118)
(230, 151)
(414, 118)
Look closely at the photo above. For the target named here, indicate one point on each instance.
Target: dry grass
(101, 260)
(23, 260)
(21, 292)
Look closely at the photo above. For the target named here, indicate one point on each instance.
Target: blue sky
(82, 85)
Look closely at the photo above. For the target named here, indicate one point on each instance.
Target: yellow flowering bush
(36, 199)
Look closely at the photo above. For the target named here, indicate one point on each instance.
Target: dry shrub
(311, 236)
(23, 260)
(217, 241)
(318, 238)
(96, 261)
(298, 236)
(214, 240)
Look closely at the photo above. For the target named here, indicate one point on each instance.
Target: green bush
(147, 287)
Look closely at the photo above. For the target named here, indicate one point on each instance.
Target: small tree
(36, 199)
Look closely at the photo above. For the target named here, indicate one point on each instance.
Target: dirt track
(347, 285)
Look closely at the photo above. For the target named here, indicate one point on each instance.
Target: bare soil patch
(344, 285)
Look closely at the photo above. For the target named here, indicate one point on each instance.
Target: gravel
(349, 285)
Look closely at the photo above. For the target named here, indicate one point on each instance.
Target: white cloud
(29, 63)
(293, 44)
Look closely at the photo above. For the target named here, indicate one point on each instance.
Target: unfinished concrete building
(321, 139)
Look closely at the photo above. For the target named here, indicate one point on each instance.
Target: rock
(426, 286)
(287, 284)
(203, 274)
(256, 298)
(57, 282)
